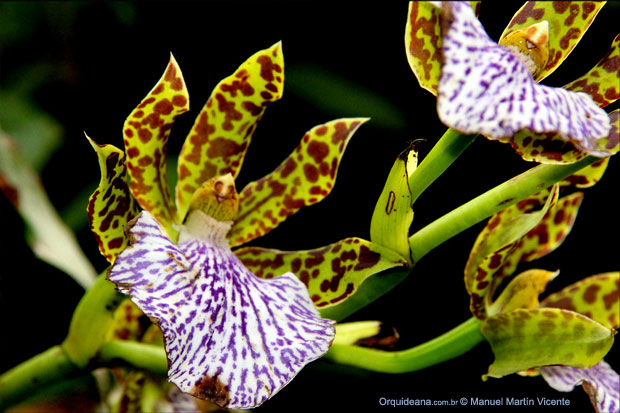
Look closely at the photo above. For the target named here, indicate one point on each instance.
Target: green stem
(25, 379)
(452, 344)
(145, 356)
(485, 205)
(444, 153)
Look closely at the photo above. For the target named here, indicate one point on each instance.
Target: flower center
(530, 45)
(217, 198)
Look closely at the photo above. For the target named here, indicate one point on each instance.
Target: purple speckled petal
(230, 337)
(601, 383)
(486, 88)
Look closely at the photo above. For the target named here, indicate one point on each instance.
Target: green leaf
(393, 214)
(146, 132)
(523, 339)
(51, 240)
(304, 178)
(111, 206)
(595, 297)
(522, 291)
(568, 21)
(223, 129)
(332, 273)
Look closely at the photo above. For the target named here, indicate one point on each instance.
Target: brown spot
(251, 107)
(164, 107)
(612, 65)
(528, 11)
(224, 148)
(213, 389)
(589, 295)
(9, 191)
(228, 108)
(573, 33)
(574, 12)
(560, 6)
(367, 258)
(311, 172)
(389, 206)
(179, 100)
(318, 151)
(267, 67)
(611, 298)
(145, 135)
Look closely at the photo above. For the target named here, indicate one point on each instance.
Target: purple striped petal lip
(230, 337)
(486, 88)
(601, 383)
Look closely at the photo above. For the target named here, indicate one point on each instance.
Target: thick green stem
(25, 379)
(138, 355)
(444, 153)
(452, 344)
(498, 198)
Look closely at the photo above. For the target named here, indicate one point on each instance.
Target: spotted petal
(332, 273)
(221, 134)
(304, 178)
(486, 88)
(146, 133)
(523, 339)
(601, 383)
(111, 206)
(568, 22)
(230, 337)
(596, 297)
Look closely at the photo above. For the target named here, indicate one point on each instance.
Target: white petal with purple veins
(486, 88)
(601, 383)
(230, 337)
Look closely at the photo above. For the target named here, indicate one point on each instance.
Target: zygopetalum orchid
(230, 337)
(565, 336)
(489, 88)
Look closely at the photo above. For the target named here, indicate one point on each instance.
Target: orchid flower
(489, 88)
(230, 337)
(565, 336)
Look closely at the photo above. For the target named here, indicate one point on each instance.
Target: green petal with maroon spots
(332, 273)
(111, 206)
(496, 242)
(304, 178)
(129, 323)
(523, 339)
(423, 42)
(146, 133)
(393, 214)
(568, 21)
(602, 82)
(595, 297)
(522, 291)
(223, 129)
(588, 176)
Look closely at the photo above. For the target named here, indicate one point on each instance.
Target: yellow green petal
(223, 129)
(146, 133)
(332, 273)
(486, 266)
(568, 21)
(602, 82)
(393, 214)
(304, 178)
(350, 333)
(111, 206)
(588, 176)
(423, 44)
(129, 323)
(595, 297)
(522, 291)
(523, 339)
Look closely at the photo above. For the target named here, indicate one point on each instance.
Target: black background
(105, 57)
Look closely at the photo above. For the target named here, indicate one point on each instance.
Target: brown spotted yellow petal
(393, 214)
(223, 129)
(129, 323)
(602, 83)
(111, 206)
(423, 44)
(588, 176)
(522, 291)
(523, 339)
(595, 297)
(331, 273)
(486, 266)
(146, 133)
(304, 178)
(568, 21)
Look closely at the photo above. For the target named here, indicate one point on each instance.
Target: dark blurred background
(69, 68)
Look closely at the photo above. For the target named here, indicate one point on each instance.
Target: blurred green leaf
(340, 97)
(51, 240)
